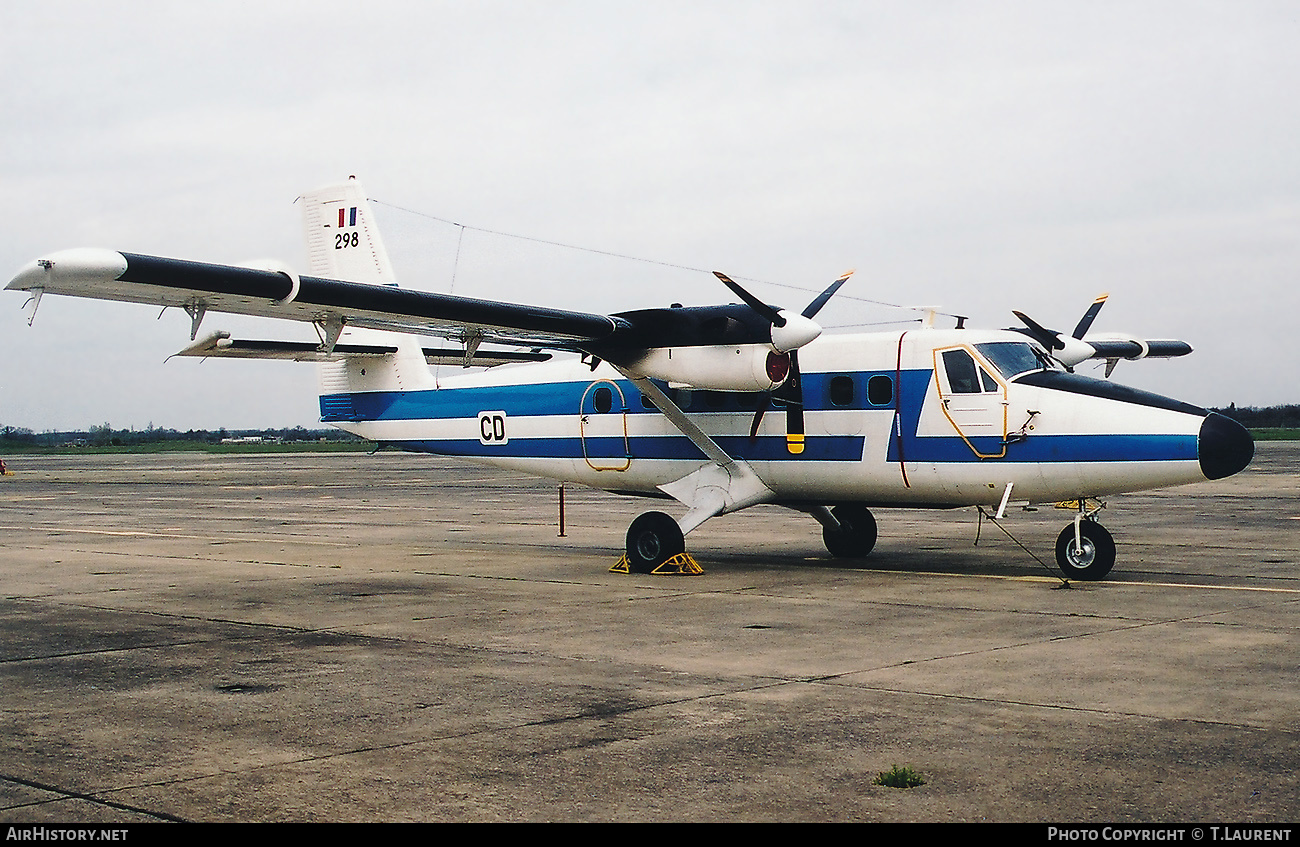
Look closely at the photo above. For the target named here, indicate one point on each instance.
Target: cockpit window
(1013, 358)
(963, 375)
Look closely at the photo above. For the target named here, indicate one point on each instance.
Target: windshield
(1013, 358)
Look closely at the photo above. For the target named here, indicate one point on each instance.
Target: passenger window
(647, 403)
(880, 390)
(602, 400)
(841, 391)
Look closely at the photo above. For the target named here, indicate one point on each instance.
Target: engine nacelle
(1122, 345)
(743, 367)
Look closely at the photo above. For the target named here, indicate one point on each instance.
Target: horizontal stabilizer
(221, 345)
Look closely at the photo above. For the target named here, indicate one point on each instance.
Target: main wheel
(1094, 559)
(857, 533)
(652, 539)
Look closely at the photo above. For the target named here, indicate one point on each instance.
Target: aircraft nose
(1223, 446)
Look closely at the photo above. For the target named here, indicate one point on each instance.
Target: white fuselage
(923, 417)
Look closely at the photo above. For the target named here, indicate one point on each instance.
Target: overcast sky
(980, 156)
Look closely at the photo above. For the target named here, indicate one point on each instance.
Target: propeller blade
(778, 370)
(1048, 338)
(792, 393)
(789, 330)
(1085, 323)
(771, 315)
(816, 305)
(758, 415)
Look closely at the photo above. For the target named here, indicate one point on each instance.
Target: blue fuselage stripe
(827, 448)
(532, 400)
(1050, 448)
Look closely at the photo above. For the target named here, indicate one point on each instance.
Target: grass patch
(899, 778)
(1275, 433)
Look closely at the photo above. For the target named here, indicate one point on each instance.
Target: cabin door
(973, 400)
(602, 424)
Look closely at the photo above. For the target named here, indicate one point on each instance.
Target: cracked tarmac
(343, 637)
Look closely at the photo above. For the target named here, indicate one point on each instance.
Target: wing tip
(78, 263)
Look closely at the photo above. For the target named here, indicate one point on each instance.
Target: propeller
(1073, 349)
(789, 333)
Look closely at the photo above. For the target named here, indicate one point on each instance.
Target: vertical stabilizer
(343, 243)
(342, 239)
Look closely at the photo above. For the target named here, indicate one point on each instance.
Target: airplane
(719, 407)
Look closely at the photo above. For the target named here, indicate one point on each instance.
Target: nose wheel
(1090, 556)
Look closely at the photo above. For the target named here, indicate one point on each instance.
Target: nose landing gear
(1085, 550)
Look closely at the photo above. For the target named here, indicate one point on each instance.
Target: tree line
(105, 435)
(1269, 417)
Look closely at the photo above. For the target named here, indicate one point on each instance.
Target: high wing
(351, 285)
(735, 342)
(199, 287)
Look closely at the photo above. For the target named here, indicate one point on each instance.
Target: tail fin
(343, 243)
(342, 239)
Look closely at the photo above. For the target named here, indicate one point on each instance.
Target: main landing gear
(855, 536)
(653, 539)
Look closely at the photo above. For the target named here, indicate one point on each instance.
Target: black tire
(1096, 558)
(856, 536)
(652, 539)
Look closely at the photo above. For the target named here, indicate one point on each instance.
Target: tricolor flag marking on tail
(348, 217)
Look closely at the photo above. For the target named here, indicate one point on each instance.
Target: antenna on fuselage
(932, 314)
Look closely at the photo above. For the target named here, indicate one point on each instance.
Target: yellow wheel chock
(680, 565)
